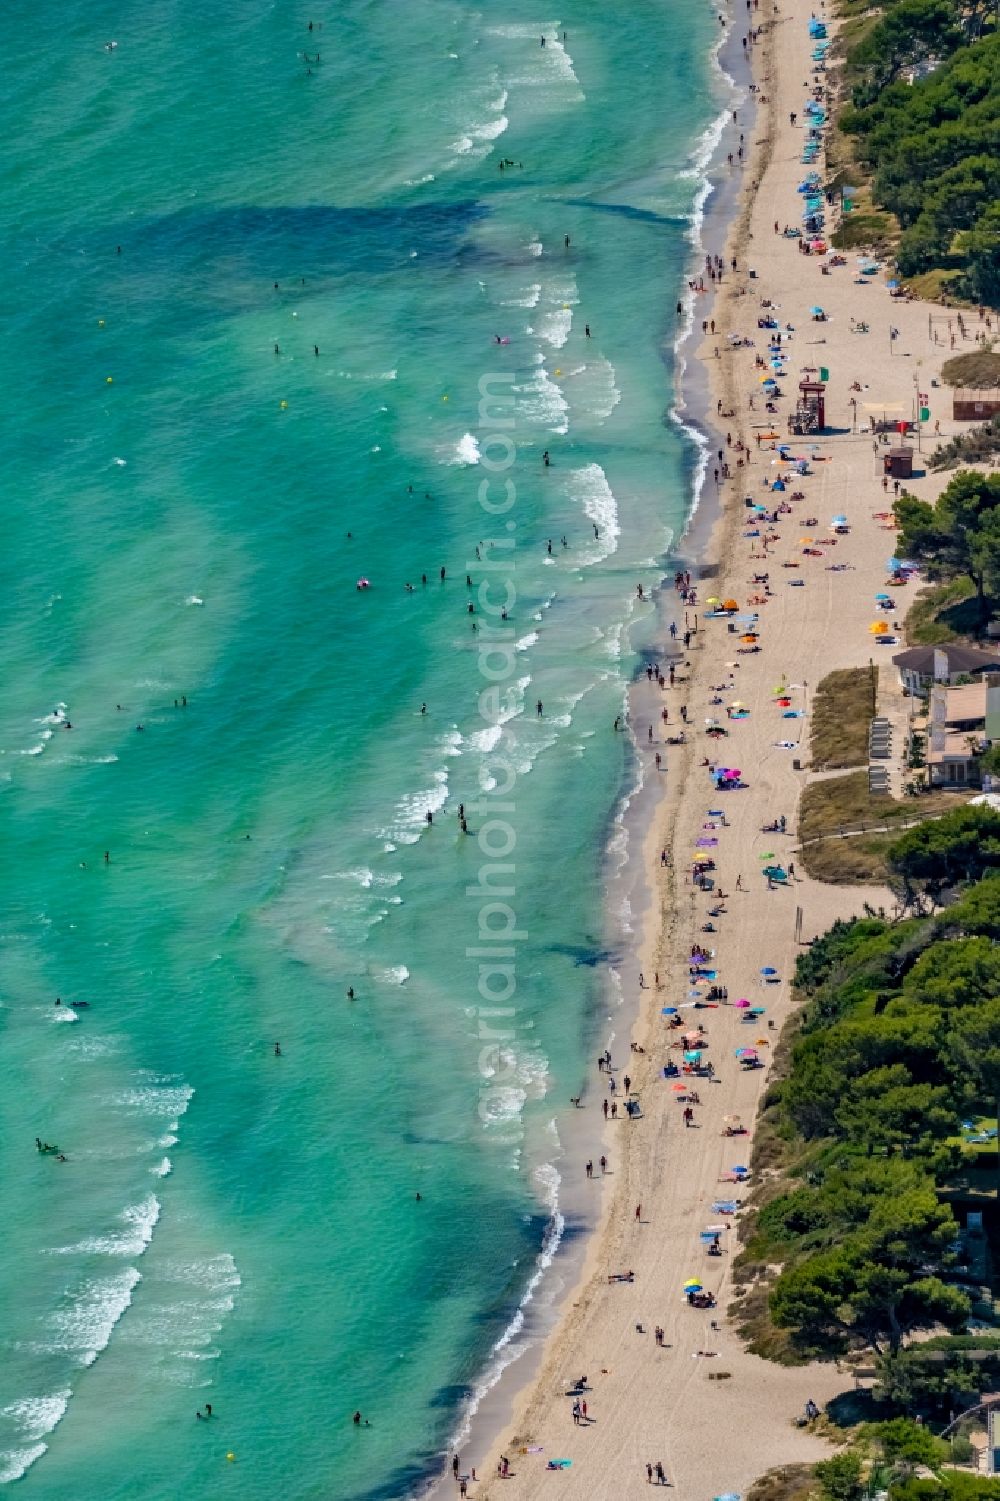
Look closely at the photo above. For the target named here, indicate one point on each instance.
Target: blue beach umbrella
(767, 970)
(668, 1011)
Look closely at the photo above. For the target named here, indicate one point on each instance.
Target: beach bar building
(975, 406)
(920, 666)
(962, 722)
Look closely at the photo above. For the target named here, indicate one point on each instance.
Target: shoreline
(639, 805)
(657, 1403)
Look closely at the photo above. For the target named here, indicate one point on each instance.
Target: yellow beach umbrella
(879, 628)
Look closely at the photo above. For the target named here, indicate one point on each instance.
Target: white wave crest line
(506, 1351)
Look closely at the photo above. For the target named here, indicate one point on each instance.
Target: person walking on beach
(604, 1164)
(649, 1474)
(590, 1169)
(688, 1116)
(638, 1214)
(661, 1478)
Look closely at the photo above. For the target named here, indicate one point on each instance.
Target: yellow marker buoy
(284, 405)
(110, 380)
(444, 398)
(100, 322)
(559, 372)
(230, 1456)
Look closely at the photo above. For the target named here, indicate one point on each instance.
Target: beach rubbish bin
(796, 764)
(753, 274)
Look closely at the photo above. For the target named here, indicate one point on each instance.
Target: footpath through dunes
(667, 1382)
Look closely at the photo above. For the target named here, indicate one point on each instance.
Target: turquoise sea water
(186, 515)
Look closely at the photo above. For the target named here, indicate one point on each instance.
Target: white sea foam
(158, 1098)
(194, 599)
(548, 67)
(554, 326)
(411, 811)
(396, 974)
(466, 451)
(589, 487)
(534, 247)
(84, 1325)
(524, 642)
(63, 1014)
(541, 401)
(16, 1462)
(215, 1273)
(37, 1416)
(418, 182)
(528, 297)
(478, 138)
(486, 740)
(162, 1168)
(139, 1221)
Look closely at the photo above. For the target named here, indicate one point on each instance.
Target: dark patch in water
(627, 211)
(288, 242)
(582, 955)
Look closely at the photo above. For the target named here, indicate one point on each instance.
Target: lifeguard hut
(810, 413)
(898, 462)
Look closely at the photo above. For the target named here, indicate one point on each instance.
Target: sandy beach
(691, 1398)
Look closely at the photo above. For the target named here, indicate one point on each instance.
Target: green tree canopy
(960, 535)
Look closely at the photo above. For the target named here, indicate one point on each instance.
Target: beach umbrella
(775, 872)
(878, 628)
(692, 1285)
(730, 604)
(838, 521)
(668, 1010)
(883, 596)
(892, 285)
(768, 970)
(679, 1088)
(739, 1168)
(746, 1052)
(713, 599)
(694, 1056)
(742, 1005)
(817, 312)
